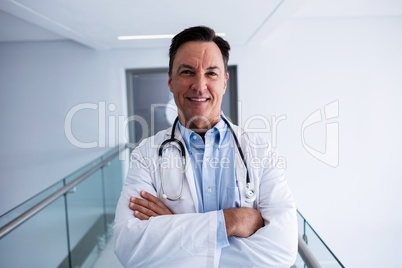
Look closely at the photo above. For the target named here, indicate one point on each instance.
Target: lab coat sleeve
(163, 241)
(275, 244)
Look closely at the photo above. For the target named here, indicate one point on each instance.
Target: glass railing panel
(14, 213)
(322, 254)
(113, 182)
(45, 239)
(299, 263)
(300, 226)
(82, 170)
(86, 220)
(39, 242)
(110, 152)
(320, 251)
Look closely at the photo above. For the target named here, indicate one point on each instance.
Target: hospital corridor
(102, 135)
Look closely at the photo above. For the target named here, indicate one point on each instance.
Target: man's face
(198, 82)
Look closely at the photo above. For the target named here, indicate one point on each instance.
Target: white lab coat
(187, 238)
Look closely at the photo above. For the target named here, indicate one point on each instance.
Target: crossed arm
(146, 239)
(240, 222)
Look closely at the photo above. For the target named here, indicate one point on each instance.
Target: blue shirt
(214, 172)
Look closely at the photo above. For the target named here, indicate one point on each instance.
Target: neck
(199, 124)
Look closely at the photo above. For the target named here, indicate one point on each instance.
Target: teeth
(198, 99)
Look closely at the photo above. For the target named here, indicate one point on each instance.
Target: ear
(225, 82)
(170, 82)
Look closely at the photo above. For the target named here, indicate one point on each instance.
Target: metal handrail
(9, 227)
(305, 253)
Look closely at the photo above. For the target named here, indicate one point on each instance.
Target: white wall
(39, 83)
(307, 64)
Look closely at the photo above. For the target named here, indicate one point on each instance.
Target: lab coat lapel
(189, 170)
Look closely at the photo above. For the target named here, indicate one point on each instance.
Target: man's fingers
(140, 215)
(150, 206)
(155, 204)
(152, 198)
(144, 210)
(146, 204)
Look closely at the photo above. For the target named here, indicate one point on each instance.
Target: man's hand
(242, 222)
(148, 207)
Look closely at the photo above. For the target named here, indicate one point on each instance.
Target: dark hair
(202, 34)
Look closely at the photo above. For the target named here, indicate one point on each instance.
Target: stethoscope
(250, 193)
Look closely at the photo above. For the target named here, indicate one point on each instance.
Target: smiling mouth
(198, 99)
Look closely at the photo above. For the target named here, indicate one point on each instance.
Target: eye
(212, 74)
(186, 72)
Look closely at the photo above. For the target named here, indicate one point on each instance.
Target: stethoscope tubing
(250, 195)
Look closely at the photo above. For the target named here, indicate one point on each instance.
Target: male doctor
(212, 223)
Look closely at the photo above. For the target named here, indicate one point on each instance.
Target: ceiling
(98, 23)
(14, 29)
(350, 9)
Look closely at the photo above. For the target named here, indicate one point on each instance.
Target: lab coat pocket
(194, 240)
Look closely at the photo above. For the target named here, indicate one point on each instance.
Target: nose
(199, 83)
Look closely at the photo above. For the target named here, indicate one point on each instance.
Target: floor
(107, 259)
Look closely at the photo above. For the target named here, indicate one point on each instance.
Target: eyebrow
(193, 68)
(181, 66)
(213, 68)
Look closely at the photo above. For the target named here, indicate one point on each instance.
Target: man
(211, 223)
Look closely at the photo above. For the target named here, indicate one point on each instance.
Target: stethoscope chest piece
(250, 194)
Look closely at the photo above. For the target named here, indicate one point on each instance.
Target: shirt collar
(218, 131)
